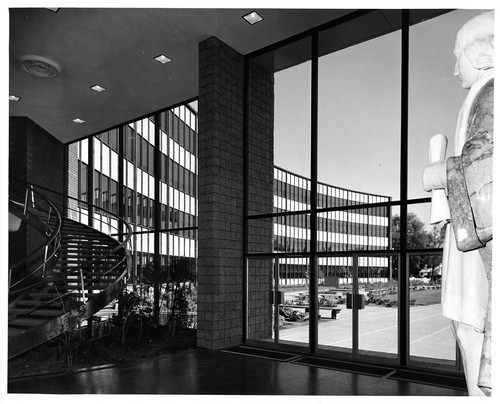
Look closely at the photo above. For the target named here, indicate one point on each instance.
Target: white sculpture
(467, 177)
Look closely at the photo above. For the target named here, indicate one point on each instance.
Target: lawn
(419, 297)
(426, 296)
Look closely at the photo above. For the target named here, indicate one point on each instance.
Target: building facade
(361, 230)
(133, 184)
(159, 201)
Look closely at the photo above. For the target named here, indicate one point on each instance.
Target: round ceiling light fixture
(39, 66)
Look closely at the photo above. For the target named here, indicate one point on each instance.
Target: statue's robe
(469, 184)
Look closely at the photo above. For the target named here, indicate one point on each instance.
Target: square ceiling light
(253, 18)
(162, 59)
(97, 88)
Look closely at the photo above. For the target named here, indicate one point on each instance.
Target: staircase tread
(79, 245)
(30, 303)
(27, 322)
(36, 313)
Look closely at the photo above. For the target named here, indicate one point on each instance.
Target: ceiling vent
(39, 66)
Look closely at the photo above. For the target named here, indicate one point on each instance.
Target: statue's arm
(470, 179)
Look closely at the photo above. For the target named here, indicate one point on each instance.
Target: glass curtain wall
(159, 201)
(359, 149)
(290, 273)
(347, 174)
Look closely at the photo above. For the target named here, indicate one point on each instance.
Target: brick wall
(221, 191)
(36, 157)
(260, 199)
(17, 168)
(45, 158)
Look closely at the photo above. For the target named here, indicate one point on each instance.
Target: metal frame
(403, 253)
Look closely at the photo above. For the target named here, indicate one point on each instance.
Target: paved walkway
(430, 333)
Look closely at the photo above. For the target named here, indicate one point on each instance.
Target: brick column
(260, 199)
(221, 192)
(220, 195)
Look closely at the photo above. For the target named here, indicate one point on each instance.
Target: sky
(359, 109)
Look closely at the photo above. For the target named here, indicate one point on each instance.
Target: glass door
(291, 301)
(336, 320)
(377, 306)
(358, 305)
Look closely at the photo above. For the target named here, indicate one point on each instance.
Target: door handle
(355, 301)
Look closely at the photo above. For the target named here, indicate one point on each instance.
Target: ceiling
(115, 48)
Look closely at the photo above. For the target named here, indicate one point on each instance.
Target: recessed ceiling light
(98, 88)
(253, 18)
(14, 98)
(78, 120)
(162, 59)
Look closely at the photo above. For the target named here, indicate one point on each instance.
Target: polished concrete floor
(208, 372)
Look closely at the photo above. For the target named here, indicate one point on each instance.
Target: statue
(467, 178)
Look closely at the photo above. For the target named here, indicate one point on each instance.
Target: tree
(175, 279)
(180, 276)
(155, 275)
(133, 309)
(417, 237)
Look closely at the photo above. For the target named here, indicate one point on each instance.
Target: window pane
(435, 94)
(430, 333)
(292, 106)
(359, 118)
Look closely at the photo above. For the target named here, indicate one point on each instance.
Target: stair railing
(38, 213)
(122, 228)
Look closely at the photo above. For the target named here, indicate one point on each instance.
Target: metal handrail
(53, 237)
(79, 270)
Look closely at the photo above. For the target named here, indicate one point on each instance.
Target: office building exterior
(367, 229)
(160, 205)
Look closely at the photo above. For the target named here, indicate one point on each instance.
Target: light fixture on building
(97, 88)
(78, 120)
(253, 18)
(13, 97)
(39, 66)
(162, 59)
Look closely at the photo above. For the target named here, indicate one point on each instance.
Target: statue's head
(474, 48)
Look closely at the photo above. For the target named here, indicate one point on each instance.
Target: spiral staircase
(70, 271)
